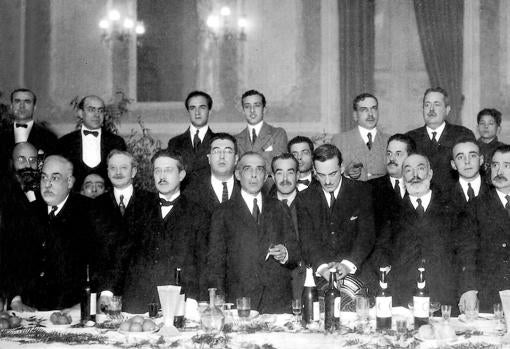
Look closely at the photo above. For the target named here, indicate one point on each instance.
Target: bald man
(88, 147)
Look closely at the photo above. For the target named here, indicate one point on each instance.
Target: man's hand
(279, 252)
(354, 169)
(17, 305)
(468, 299)
(342, 270)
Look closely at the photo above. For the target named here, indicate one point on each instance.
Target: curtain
(357, 37)
(440, 28)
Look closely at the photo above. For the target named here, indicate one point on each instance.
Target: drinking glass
(498, 311)
(153, 309)
(433, 307)
(471, 311)
(243, 307)
(446, 311)
(362, 305)
(296, 309)
(115, 307)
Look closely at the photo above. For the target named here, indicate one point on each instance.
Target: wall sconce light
(117, 27)
(225, 25)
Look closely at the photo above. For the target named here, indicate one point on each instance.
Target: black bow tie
(163, 202)
(21, 125)
(93, 133)
(304, 181)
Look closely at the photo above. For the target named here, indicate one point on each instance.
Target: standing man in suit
(259, 136)
(194, 143)
(425, 234)
(436, 138)
(173, 238)
(336, 221)
(302, 149)
(252, 243)
(210, 191)
(88, 147)
(363, 147)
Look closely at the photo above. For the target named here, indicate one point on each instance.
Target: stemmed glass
(296, 310)
(434, 306)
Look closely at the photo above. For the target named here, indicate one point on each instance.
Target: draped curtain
(440, 28)
(357, 46)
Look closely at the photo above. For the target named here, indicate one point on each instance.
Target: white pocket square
(354, 217)
(270, 148)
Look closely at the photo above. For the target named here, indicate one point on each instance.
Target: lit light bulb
(114, 15)
(225, 11)
(128, 23)
(242, 22)
(140, 28)
(213, 22)
(104, 24)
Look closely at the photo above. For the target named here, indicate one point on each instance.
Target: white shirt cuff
(321, 269)
(350, 265)
(286, 259)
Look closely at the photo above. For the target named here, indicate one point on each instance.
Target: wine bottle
(421, 300)
(383, 303)
(310, 298)
(179, 313)
(332, 304)
(88, 301)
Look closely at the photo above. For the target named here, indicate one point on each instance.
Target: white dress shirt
(248, 199)
(59, 206)
(475, 184)
(290, 198)
(335, 193)
(166, 209)
(439, 131)
(364, 133)
(127, 192)
(400, 184)
(21, 133)
(91, 147)
(257, 128)
(218, 187)
(502, 197)
(201, 132)
(425, 200)
(301, 186)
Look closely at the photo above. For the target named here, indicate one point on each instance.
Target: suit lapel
(243, 211)
(498, 211)
(264, 136)
(341, 203)
(187, 143)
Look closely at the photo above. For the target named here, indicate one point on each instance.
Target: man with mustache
(364, 146)
(259, 136)
(336, 220)
(173, 236)
(489, 221)
(88, 147)
(194, 143)
(436, 138)
(302, 149)
(426, 233)
(252, 244)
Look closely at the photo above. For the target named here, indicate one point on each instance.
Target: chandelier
(118, 27)
(226, 25)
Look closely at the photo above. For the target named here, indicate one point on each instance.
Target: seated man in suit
(24, 128)
(259, 136)
(93, 186)
(389, 190)
(252, 243)
(302, 149)
(61, 245)
(336, 221)
(489, 126)
(27, 174)
(210, 191)
(467, 161)
(425, 234)
(363, 147)
(489, 220)
(88, 147)
(173, 236)
(194, 143)
(436, 138)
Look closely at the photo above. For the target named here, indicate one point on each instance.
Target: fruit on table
(59, 318)
(9, 321)
(138, 324)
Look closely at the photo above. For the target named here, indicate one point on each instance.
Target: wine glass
(433, 307)
(296, 309)
(243, 307)
(446, 311)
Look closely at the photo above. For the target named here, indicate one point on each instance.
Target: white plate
(235, 315)
(139, 334)
(439, 342)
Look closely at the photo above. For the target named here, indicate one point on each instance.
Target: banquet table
(265, 332)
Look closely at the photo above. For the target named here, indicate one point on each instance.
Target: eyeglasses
(99, 110)
(54, 178)
(249, 171)
(217, 151)
(32, 160)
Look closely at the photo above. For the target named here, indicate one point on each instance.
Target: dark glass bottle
(332, 305)
(310, 298)
(179, 313)
(88, 301)
(421, 300)
(383, 303)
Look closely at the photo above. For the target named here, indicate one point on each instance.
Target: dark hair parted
(199, 94)
(24, 90)
(503, 149)
(361, 97)
(165, 153)
(410, 143)
(284, 156)
(439, 90)
(253, 93)
(300, 139)
(496, 115)
(327, 152)
(223, 136)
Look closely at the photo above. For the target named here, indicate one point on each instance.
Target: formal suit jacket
(238, 247)
(270, 142)
(71, 147)
(175, 241)
(119, 240)
(60, 248)
(487, 150)
(434, 239)
(386, 202)
(353, 148)
(440, 155)
(200, 191)
(490, 222)
(345, 232)
(456, 196)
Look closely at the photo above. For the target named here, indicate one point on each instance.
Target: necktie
(93, 133)
(434, 139)
(196, 141)
(332, 200)
(122, 207)
(507, 206)
(51, 215)
(419, 209)
(256, 211)
(470, 192)
(163, 202)
(397, 189)
(304, 181)
(369, 143)
(21, 125)
(253, 136)
(224, 194)
(286, 202)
